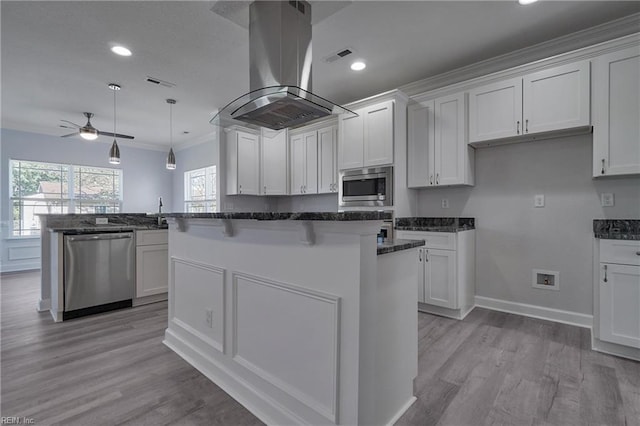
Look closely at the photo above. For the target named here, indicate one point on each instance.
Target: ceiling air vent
(338, 55)
(159, 82)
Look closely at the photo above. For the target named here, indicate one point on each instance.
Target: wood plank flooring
(491, 368)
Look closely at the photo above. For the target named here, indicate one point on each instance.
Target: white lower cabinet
(274, 156)
(618, 316)
(152, 263)
(446, 282)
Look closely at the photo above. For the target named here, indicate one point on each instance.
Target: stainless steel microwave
(371, 187)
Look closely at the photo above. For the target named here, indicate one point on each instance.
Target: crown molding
(395, 94)
(617, 29)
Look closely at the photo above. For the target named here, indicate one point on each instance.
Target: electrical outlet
(538, 200)
(606, 199)
(210, 318)
(445, 203)
(102, 221)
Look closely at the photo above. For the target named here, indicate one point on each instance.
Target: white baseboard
(534, 311)
(458, 314)
(403, 410)
(44, 305)
(615, 349)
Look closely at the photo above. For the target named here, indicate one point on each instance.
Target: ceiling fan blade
(67, 121)
(115, 135)
(66, 127)
(70, 134)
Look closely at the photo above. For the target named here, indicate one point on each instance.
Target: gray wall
(145, 178)
(309, 203)
(513, 237)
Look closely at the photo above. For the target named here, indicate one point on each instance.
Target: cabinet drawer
(433, 240)
(148, 238)
(623, 252)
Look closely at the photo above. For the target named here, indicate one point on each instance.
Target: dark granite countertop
(391, 246)
(83, 223)
(321, 216)
(435, 224)
(617, 229)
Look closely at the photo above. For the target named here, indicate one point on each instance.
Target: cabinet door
(450, 146)
(274, 163)
(351, 142)
(152, 270)
(247, 163)
(620, 304)
(378, 134)
(327, 162)
(440, 278)
(495, 110)
(616, 113)
(557, 98)
(421, 276)
(298, 160)
(311, 163)
(420, 139)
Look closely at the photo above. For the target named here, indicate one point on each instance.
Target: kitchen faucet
(159, 211)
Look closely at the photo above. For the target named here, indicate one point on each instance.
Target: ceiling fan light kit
(171, 158)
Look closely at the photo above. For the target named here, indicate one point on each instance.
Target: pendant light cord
(114, 114)
(171, 125)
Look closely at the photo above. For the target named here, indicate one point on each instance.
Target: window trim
(187, 188)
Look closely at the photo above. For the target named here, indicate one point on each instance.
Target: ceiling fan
(89, 132)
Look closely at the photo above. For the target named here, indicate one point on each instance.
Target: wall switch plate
(538, 200)
(445, 203)
(606, 199)
(102, 220)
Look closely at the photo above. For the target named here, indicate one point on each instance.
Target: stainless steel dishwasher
(99, 273)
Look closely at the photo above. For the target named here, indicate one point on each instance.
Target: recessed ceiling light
(358, 66)
(121, 50)
(525, 2)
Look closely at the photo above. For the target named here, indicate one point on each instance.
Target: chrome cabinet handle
(437, 178)
(602, 171)
(420, 255)
(431, 180)
(518, 127)
(526, 123)
(426, 255)
(265, 189)
(638, 253)
(605, 274)
(239, 189)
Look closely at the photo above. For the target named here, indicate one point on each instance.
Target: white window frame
(211, 197)
(70, 200)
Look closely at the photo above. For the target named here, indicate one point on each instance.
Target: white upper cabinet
(549, 100)
(351, 142)
(304, 163)
(242, 152)
(438, 154)
(327, 160)
(378, 134)
(495, 110)
(616, 113)
(274, 170)
(367, 140)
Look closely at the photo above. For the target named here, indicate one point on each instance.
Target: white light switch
(538, 200)
(445, 203)
(606, 199)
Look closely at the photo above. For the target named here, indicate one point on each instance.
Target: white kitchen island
(295, 315)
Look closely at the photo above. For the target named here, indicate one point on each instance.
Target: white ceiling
(56, 61)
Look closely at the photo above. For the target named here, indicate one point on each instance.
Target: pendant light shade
(114, 152)
(171, 158)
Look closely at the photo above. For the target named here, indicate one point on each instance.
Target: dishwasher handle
(105, 236)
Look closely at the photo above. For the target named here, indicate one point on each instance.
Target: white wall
(145, 178)
(513, 237)
(308, 203)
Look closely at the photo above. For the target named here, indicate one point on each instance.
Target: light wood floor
(491, 368)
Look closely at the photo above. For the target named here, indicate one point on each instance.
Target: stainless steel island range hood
(280, 71)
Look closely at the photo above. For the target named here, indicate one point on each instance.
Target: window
(38, 187)
(200, 190)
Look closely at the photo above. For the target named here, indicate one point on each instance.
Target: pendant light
(114, 152)
(171, 158)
